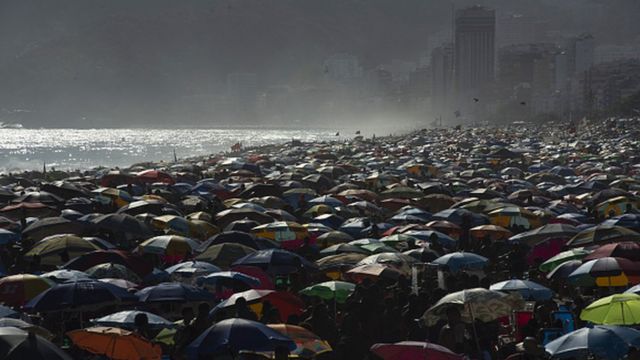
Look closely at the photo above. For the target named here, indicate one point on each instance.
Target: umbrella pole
(475, 331)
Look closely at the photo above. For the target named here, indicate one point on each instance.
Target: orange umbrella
(115, 343)
(308, 344)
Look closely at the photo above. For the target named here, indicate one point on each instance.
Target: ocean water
(29, 149)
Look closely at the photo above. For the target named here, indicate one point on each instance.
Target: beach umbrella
(241, 226)
(143, 206)
(401, 192)
(225, 254)
(308, 344)
(42, 197)
(374, 271)
(133, 262)
(457, 261)
(397, 260)
(23, 325)
(62, 275)
(571, 254)
(228, 277)
(527, 289)
(286, 303)
(125, 284)
(618, 309)
(631, 221)
(276, 261)
(509, 217)
(7, 312)
(326, 200)
(341, 249)
(626, 249)
(492, 232)
(126, 320)
(377, 248)
(413, 350)
(422, 254)
(65, 190)
(155, 176)
(225, 217)
(108, 196)
(8, 237)
(289, 235)
(436, 202)
(173, 292)
(603, 234)
(191, 268)
(115, 343)
(76, 296)
(23, 210)
(474, 304)
(17, 344)
(332, 238)
(45, 227)
(604, 342)
(169, 245)
(235, 335)
(430, 235)
(606, 271)
(16, 290)
(563, 270)
(457, 217)
(111, 270)
(55, 250)
(125, 224)
(363, 194)
(545, 232)
(616, 206)
(339, 260)
(330, 290)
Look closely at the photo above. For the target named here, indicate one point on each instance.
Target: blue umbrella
(79, 294)
(457, 215)
(565, 269)
(331, 220)
(528, 289)
(212, 279)
(631, 221)
(605, 342)
(173, 291)
(7, 312)
(276, 261)
(235, 335)
(8, 237)
(462, 261)
(126, 320)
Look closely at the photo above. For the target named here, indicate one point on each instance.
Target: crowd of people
(481, 243)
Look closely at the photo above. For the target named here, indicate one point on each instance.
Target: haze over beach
(162, 63)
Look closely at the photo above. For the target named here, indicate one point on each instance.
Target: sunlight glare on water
(22, 149)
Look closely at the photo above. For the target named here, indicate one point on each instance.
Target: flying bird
(476, 99)
(523, 103)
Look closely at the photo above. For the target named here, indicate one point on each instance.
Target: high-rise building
(442, 78)
(474, 50)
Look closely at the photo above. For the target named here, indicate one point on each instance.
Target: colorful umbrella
(286, 303)
(330, 290)
(225, 254)
(606, 271)
(16, 290)
(546, 232)
(308, 344)
(169, 245)
(603, 234)
(289, 235)
(572, 254)
(618, 309)
(626, 249)
(481, 304)
(414, 350)
(115, 343)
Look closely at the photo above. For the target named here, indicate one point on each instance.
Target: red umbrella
(626, 249)
(414, 350)
(286, 303)
(153, 176)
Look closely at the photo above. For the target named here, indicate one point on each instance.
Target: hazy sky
(151, 62)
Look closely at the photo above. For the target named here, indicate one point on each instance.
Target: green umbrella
(329, 290)
(618, 309)
(573, 254)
